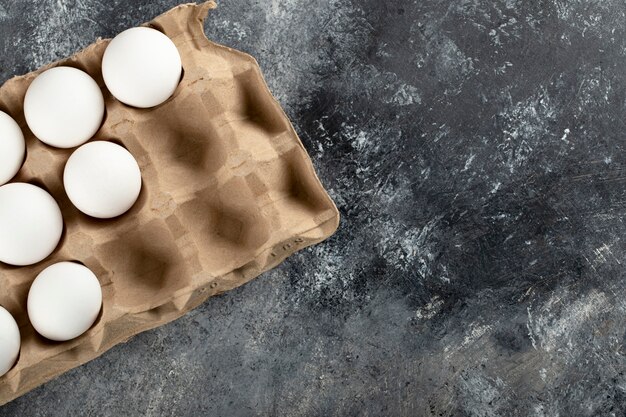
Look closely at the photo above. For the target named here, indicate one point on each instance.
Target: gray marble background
(475, 149)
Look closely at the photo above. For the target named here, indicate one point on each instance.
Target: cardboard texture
(228, 192)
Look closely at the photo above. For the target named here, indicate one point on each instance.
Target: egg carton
(228, 193)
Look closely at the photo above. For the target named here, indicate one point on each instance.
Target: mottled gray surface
(475, 149)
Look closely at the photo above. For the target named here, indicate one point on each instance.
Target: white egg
(102, 179)
(64, 301)
(141, 67)
(12, 148)
(64, 107)
(31, 224)
(9, 341)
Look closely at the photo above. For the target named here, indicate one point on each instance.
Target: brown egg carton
(228, 193)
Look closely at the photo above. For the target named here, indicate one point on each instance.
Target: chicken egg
(31, 224)
(64, 301)
(102, 179)
(64, 107)
(12, 148)
(141, 67)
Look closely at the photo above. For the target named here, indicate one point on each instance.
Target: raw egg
(64, 301)
(64, 107)
(12, 148)
(31, 224)
(141, 67)
(102, 179)
(9, 341)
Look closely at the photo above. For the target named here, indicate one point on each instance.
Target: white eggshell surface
(141, 67)
(12, 148)
(31, 224)
(102, 179)
(9, 341)
(64, 301)
(64, 107)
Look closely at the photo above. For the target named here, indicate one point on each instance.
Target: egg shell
(64, 107)
(102, 179)
(64, 301)
(141, 67)
(31, 224)
(12, 148)
(9, 341)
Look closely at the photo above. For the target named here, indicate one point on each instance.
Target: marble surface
(475, 149)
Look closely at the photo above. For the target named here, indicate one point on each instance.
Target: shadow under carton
(228, 192)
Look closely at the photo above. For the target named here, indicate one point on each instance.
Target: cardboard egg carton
(228, 193)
